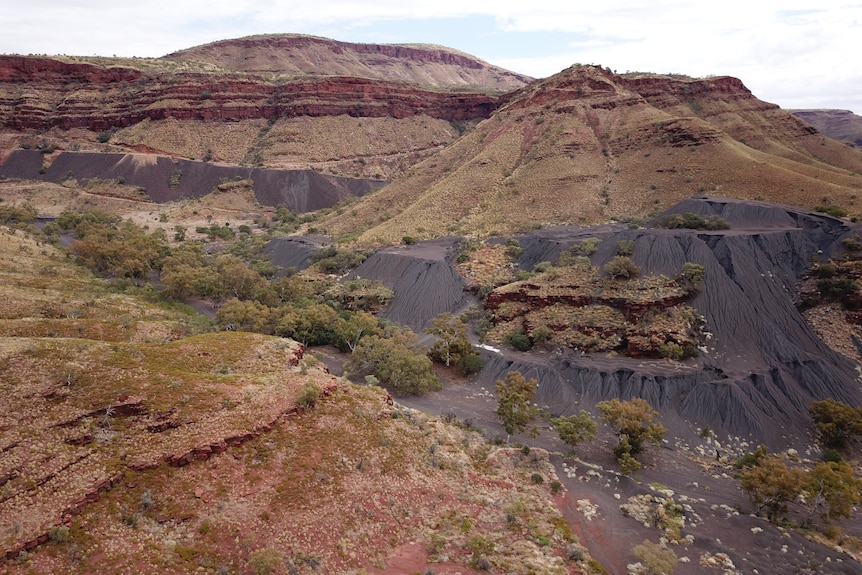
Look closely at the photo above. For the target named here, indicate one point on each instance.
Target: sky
(791, 53)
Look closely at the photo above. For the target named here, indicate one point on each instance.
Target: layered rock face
(40, 93)
(763, 364)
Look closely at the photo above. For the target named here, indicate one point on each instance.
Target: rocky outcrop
(167, 179)
(763, 365)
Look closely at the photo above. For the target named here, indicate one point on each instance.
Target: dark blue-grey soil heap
(763, 364)
(167, 179)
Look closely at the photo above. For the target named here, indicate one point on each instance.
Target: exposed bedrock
(167, 179)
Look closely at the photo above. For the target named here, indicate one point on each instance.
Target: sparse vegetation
(692, 221)
(834, 211)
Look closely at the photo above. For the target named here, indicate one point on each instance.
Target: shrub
(264, 561)
(58, 534)
(853, 244)
(541, 334)
(408, 240)
(827, 270)
(692, 221)
(514, 249)
(586, 247)
(542, 267)
(834, 211)
(622, 267)
(519, 341)
(103, 137)
(625, 247)
(691, 273)
(836, 289)
(308, 394)
(470, 364)
(655, 558)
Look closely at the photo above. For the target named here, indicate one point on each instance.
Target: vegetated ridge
(135, 437)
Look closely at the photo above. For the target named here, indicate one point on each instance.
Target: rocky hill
(841, 125)
(298, 55)
(585, 146)
(341, 120)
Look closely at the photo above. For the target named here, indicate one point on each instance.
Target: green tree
(831, 490)
(354, 327)
(314, 324)
(771, 484)
(246, 316)
(452, 343)
(575, 428)
(397, 360)
(635, 423)
(119, 250)
(514, 395)
(837, 424)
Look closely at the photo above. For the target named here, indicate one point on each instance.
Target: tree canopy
(514, 396)
(635, 423)
(837, 425)
(575, 428)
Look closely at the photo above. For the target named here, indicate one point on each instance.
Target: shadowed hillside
(841, 125)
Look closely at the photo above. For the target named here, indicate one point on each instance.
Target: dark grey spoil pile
(299, 190)
(294, 251)
(763, 365)
(423, 279)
